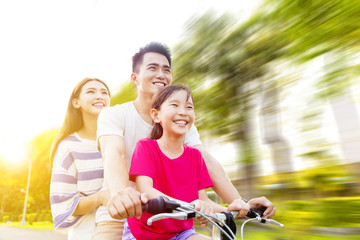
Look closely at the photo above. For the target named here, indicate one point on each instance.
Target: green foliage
(313, 25)
(216, 65)
(6, 218)
(14, 178)
(229, 62)
(45, 216)
(39, 190)
(31, 218)
(314, 183)
(319, 28)
(326, 212)
(127, 93)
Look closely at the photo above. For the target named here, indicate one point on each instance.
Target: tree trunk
(2, 204)
(247, 148)
(348, 124)
(271, 129)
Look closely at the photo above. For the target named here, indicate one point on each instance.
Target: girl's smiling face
(176, 114)
(93, 97)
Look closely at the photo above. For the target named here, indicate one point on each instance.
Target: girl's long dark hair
(73, 118)
(159, 98)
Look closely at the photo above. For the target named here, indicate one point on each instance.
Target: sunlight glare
(13, 151)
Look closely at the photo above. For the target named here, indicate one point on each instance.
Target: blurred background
(276, 88)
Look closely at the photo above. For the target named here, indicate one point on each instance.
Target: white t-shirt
(125, 121)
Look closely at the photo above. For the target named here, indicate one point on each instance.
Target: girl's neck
(88, 130)
(172, 147)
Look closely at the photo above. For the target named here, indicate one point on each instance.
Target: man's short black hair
(151, 47)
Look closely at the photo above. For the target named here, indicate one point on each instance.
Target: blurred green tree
(127, 92)
(226, 68)
(227, 63)
(12, 182)
(39, 152)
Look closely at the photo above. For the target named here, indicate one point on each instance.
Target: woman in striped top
(77, 174)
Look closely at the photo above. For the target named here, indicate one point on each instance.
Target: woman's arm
(216, 207)
(124, 201)
(222, 184)
(89, 203)
(145, 184)
(226, 190)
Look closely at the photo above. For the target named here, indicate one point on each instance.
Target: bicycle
(224, 227)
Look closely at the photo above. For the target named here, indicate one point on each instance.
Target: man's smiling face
(154, 73)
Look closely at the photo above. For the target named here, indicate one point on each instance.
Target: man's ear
(75, 103)
(154, 115)
(134, 78)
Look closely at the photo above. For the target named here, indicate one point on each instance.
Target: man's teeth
(160, 84)
(98, 104)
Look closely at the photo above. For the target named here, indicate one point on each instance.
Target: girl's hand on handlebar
(263, 203)
(204, 208)
(239, 205)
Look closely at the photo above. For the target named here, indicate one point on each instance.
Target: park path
(13, 233)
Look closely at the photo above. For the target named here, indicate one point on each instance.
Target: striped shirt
(77, 172)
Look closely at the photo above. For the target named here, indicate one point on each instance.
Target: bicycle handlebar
(161, 207)
(164, 205)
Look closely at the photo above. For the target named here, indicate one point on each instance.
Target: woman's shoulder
(69, 141)
(74, 143)
(65, 147)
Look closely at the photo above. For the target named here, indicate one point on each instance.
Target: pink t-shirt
(180, 178)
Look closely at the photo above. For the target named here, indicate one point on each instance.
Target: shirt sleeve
(192, 138)
(111, 121)
(142, 162)
(64, 197)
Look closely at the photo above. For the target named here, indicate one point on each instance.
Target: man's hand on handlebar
(239, 205)
(263, 203)
(126, 203)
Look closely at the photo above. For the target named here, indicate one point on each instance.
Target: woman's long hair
(73, 118)
(159, 98)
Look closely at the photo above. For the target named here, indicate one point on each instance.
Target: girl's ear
(154, 115)
(75, 103)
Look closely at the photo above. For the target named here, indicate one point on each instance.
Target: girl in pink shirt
(163, 165)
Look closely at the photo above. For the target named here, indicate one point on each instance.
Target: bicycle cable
(243, 225)
(208, 217)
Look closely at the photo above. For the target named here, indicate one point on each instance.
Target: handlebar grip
(160, 205)
(253, 213)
